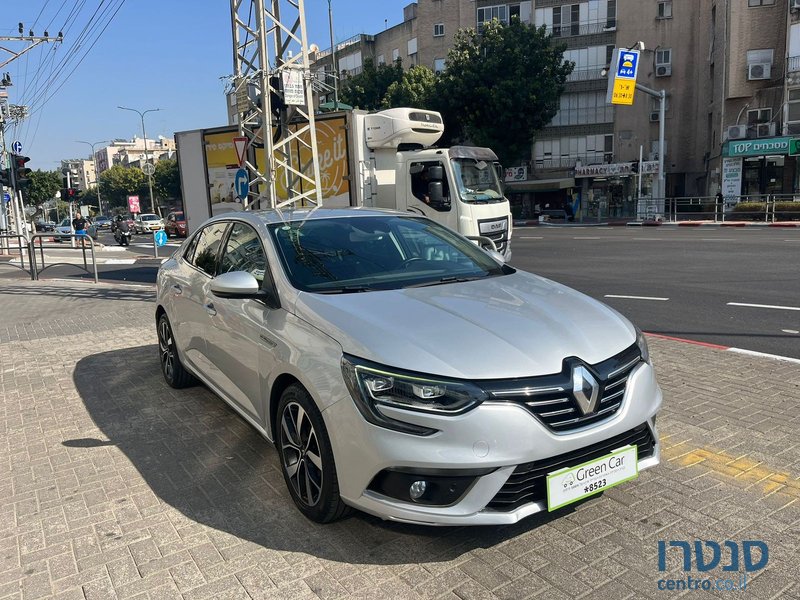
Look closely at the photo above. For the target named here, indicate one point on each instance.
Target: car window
(203, 253)
(341, 255)
(244, 252)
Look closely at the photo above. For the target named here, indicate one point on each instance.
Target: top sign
(758, 147)
(627, 64)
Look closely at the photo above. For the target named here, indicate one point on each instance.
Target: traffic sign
(148, 168)
(240, 143)
(7, 197)
(627, 64)
(623, 86)
(160, 237)
(16, 147)
(241, 184)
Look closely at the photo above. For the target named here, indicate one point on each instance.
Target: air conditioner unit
(765, 130)
(737, 132)
(654, 116)
(665, 70)
(758, 71)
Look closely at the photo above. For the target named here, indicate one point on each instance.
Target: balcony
(575, 29)
(583, 116)
(568, 162)
(586, 73)
(793, 64)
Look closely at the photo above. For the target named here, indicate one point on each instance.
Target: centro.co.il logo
(703, 556)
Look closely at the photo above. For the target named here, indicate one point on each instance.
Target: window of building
(381, 59)
(611, 14)
(438, 29)
(760, 56)
(514, 11)
(665, 9)
(760, 2)
(759, 64)
(793, 117)
(609, 54)
(438, 65)
(487, 13)
(654, 104)
(395, 54)
(759, 115)
(664, 56)
(566, 20)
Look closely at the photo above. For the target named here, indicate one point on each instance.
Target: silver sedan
(401, 370)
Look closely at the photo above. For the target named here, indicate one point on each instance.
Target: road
(683, 282)
(736, 287)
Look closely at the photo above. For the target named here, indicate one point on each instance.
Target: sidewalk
(627, 223)
(113, 485)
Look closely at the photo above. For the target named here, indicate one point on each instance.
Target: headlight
(641, 341)
(373, 386)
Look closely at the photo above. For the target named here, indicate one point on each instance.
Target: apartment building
(133, 153)
(730, 69)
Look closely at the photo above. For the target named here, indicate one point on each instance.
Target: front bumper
(494, 435)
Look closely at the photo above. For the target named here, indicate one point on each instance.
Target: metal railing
(769, 208)
(82, 238)
(568, 162)
(586, 73)
(22, 248)
(587, 28)
(793, 64)
(583, 116)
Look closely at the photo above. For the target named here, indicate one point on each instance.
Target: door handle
(176, 289)
(210, 309)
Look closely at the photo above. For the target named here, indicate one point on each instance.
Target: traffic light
(21, 171)
(635, 166)
(70, 194)
(5, 177)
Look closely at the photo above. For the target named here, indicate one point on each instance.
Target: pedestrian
(79, 224)
(719, 207)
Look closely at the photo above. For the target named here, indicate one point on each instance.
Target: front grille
(528, 482)
(550, 399)
(499, 240)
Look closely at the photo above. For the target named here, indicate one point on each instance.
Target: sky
(167, 54)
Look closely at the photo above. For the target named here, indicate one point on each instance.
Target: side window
(204, 254)
(244, 252)
(421, 180)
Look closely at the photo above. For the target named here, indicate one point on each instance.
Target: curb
(754, 353)
(781, 224)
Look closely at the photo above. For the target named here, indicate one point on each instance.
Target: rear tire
(306, 457)
(175, 374)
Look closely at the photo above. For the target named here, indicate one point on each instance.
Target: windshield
(149, 217)
(476, 180)
(358, 254)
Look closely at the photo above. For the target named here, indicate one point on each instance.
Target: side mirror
(436, 173)
(436, 194)
(236, 284)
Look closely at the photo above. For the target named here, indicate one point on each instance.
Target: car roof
(270, 216)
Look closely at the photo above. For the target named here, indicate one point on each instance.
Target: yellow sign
(623, 91)
(220, 151)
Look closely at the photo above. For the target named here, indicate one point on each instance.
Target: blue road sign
(160, 237)
(241, 184)
(16, 147)
(7, 197)
(627, 64)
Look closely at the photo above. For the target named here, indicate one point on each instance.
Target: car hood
(517, 325)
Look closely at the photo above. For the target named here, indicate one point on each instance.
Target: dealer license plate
(571, 484)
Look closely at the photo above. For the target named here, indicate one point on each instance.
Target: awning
(540, 185)
(332, 106)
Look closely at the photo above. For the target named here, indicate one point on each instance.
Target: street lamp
(96, 179)
(146, 153)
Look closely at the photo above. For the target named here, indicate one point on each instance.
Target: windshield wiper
(347, 289)
(443, 280)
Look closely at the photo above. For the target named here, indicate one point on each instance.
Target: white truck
(381, 160)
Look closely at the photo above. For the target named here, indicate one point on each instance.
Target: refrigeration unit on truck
(380, 160)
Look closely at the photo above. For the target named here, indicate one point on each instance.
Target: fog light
(417, 489)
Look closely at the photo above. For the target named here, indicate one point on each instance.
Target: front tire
(175, 374)
(306, 457)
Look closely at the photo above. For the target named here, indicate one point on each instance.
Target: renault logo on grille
(585, 389)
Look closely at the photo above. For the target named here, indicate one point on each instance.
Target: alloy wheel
(166, 349)
(302, 458)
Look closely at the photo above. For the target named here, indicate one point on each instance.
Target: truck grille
(528, 482)
(550, 398)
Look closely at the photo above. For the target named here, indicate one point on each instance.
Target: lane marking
(636, 297)
(584, 237)
(717, 240)
(118, 261)
(523, 237)
(765, 355)
(646, 239)
(790, 331)
(772, 306)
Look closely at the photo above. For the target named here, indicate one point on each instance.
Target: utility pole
(662, 107)
(270, 55)
(334, 65)
(32, 40)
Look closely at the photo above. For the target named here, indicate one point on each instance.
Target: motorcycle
(123, 238)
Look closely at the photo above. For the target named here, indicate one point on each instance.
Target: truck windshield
(476, 180)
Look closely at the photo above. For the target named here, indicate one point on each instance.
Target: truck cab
(458, 186)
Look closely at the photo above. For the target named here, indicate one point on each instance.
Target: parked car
(175, 225)
(102, 222)
(44, 226)
(147, 222)
(404, 371)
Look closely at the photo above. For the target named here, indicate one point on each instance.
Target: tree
(167, 180)
(367, 89)
(43, 187)
(502, 86)
(117, 183)
(416, 89)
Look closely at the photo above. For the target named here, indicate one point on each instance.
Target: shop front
(530, 198)
(758, 167)
(612, 191)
